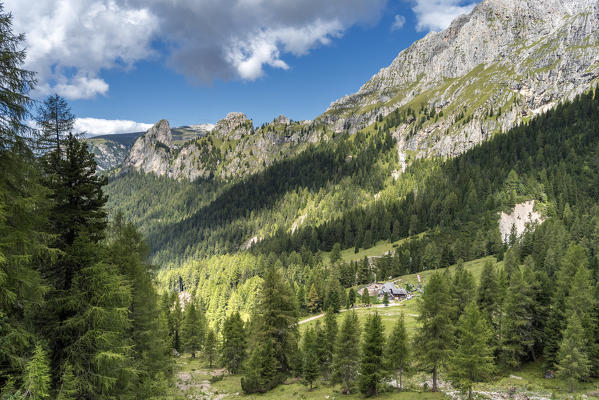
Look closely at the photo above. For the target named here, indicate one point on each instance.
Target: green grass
(381, 248)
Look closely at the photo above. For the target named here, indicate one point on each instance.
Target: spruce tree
(193, 329)
(68, 384)
(462, 290)
(351, 298)
(36, 379)
(472, 359)
(517, 338)
(372, 369)
(573, 361)
(489, 293)
(55, 121)
(313, 300)
(210, 347)
(275, 335)
(435, 335)
(310, 361)
(233, 351)
(347, 352)
(398, 354)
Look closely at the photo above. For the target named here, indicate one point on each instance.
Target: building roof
(393, 290)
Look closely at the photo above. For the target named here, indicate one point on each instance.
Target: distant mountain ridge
(492, 69)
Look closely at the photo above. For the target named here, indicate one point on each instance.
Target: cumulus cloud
(98, 126)
(436, 15)
(398, 22)
(70, 42)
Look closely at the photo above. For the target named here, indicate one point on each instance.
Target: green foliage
(346, 360)
(472, 360)
(310, 362)
(210, 347)
(435, 335)
(398, 354)
(193, 329)
(36, 379)
(372, 370)
(573, 360)
(233, 351)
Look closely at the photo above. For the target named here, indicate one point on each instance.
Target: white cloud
(98, 126)
(70, 42)
(398, 22)
(436, 15)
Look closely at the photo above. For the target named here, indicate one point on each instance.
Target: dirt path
(190, 383)
(355, 308)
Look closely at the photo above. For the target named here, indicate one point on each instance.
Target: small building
(392, 291)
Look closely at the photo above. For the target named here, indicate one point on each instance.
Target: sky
(125, 64)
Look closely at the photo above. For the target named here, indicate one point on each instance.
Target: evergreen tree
(335, 255)
(68, 384)
(310, 362)
(175, 322)
(330, 333)
(351, 298)
(55, 121)
(489, 293)
(210, 347)
(398, 352)
(313, 300)
(371, 363)
(275, 335)
(435, 335)
(516, 328)
(462, 290)
(573, 361)
(193, 329)
(472, 359)
(365, 297)
(386, 299)
(347, 352)
(36, 379)
(233, 352)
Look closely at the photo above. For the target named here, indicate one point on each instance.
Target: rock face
(522, 215)
(230, 149)
(151, 152)
(496, 67)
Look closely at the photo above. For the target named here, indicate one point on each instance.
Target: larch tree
(193, 330)
(573, 363)
(398, 354)
(372, 369)
(472, 360)
(434, 337)
(310, 359)
(346, 358)
(234, 346)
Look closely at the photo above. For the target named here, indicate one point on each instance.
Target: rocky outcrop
(151, 153)
(496, 67)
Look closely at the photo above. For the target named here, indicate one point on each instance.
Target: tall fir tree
(346, 359)
(193, 329)
(573, 362)
(310, 360)
(234, 347)
(463, 290)
(489, 294)
(36, 379)
(372, 371)
(398, 354)
(472, 360)
(434, 337)
(210, 347)
(275, 335)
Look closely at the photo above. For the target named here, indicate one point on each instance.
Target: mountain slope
(494, 68)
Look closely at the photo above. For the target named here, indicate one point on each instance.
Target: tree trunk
(193, 354)
(400, 376)
(435, 379)
(470, 393)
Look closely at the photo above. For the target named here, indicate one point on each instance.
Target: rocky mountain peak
(160, 132)
(281, 119)
(234, 125)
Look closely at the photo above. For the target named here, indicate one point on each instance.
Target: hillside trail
(355, 308)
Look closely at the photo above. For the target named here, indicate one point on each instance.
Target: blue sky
(122, 64)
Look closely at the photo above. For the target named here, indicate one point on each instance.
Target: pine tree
(275, 335)
(365, 297)
(175, 322)
(36, 379)
(435, 335)
(489, 293)
(347, 352)
(463, 290)
(330, 334)
(398, 354)
(573, 361)
(472, 359)
(233, 352)
(313, 300)
(210, 347)
(371, 363)
(55, 121)
(351, 298)
(192, 329)
(68, 384)
(310, 362)
(516, 328)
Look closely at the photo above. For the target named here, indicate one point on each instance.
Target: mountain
(492, 69)
(231, 149)
(110, 151)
